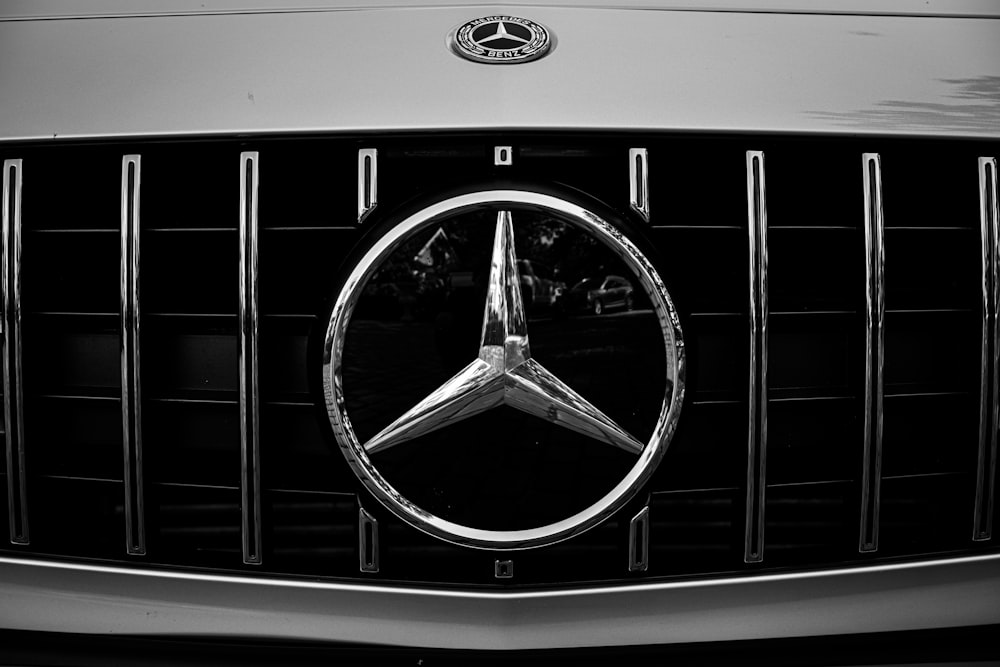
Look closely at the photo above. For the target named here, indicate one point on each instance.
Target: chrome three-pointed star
(504, 373)
(501, 33)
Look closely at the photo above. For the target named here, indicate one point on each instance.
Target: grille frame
(533, 147)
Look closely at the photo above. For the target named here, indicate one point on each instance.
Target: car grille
(73, 489)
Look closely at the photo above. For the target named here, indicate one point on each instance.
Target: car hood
(211, 67)
(28, 9)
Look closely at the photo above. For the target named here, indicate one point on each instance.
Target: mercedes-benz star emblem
(504, 373)
(501, 39)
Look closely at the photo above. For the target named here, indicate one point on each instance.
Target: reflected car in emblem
(538, 287)
(598, 295)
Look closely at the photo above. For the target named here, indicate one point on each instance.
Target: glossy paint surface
(376, 70)
(73, 598)
(32, 9)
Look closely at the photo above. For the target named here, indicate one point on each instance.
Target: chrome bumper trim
(76, 598)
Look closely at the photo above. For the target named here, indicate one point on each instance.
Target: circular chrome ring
(333, 350)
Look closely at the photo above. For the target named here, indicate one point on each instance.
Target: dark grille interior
(699, 232)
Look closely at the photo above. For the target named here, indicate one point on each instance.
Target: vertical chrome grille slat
(638, 179)
(13, 381)
(367, 541)
(638, 541)
(757, 432)
(367, 182)
(989, 409)
(135, 525)
(249, 390)
(871, 476)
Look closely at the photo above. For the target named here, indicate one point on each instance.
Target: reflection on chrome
(135, 525)
(989, 408)
(367, 541)
(504, 343)
(249, 386)
(538, 392)
(367, 182)
(874, 351)
(753, 547)
(638, 172)
(13, 403)
(504, 373)
(603, 232)
(638, 541)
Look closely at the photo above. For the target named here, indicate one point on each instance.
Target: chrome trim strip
(638, 181)
(989, 408)
(135, 524)
(871, 477)
(13, 381)
(753, 546)
(73, 597)
(638, 541)
(249, 391)
(367, 541)
(367, 182)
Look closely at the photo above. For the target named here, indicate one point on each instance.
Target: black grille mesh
(307, 213)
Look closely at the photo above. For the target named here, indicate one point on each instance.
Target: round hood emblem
(501, 40)
(480, 438)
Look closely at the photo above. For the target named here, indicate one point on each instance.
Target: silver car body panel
(48, 9)
(76, 598)
(218, 67)
(376, 70)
